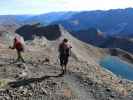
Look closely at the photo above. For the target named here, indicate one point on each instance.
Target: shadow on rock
(25, 82)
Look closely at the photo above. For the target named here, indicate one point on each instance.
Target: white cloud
(43, 6)
(97, 4)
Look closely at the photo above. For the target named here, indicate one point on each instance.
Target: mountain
(85, 78)
(13, 19)
(29, 31)
(92, 36)
(9, 23)
(97, 38)
(108, 29)
(117, 22)
(113, 22)
(47, 18)
(126, 56)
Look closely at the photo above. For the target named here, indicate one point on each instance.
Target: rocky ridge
(40, 77)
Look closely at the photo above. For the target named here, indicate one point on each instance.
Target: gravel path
(77, 87)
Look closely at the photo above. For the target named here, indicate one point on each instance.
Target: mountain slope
(113, 22)
(96, 38)
(40, 76)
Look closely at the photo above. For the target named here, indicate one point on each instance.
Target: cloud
(97, 4)
(43, 6)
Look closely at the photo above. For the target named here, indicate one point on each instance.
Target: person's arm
(12, 47)
(70, 51)
(59, 48)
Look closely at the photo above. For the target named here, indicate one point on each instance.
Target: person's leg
(20, 56)
(22, 59)
(61, 62)
(65, 63)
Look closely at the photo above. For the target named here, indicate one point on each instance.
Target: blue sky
(44, 6)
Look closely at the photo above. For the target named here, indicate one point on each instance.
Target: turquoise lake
(118, 67)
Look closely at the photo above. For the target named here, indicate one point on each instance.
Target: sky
(44, 6)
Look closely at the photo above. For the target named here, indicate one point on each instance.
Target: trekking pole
(58, 60)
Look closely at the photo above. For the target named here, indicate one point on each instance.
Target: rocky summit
(41, 78)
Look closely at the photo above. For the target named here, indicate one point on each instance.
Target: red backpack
(18, 44)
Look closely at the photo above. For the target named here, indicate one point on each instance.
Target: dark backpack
(64, 50)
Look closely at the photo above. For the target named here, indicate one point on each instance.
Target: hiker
(18, 44)
(64, 53)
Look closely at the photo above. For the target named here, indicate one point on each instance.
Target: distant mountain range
(116, 22)
(94, 37)
(112, 22)
(107, 29)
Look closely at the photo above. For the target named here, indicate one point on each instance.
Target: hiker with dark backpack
(64, 53)
(18, 44)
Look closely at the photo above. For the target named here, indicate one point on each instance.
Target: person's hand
(10, 47)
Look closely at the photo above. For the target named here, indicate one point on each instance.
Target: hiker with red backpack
(64, 53)
(18, 44)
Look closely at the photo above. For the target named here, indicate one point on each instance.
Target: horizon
(36, 7)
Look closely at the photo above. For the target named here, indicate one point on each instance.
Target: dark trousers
(63, 60)
(20, 58)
